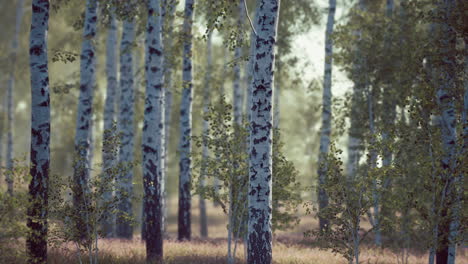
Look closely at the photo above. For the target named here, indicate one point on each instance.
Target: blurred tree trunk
(356, 116)
(108, 156)
(168, 11)
(124, 228)
(388, 116)
(325, 132)
(206, 103)
(260, 172)
(238, 95)
(153, 134)
(83, 120)
(10, 99)
(185, 145)
(446, 84)
(36, 241)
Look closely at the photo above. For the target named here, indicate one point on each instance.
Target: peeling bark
(36, 241)
(83, 120)
(153, 135)
(260, 152)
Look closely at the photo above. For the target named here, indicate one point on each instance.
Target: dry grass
(290, 247)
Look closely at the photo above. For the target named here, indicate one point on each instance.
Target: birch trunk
(325, 132)
(11, 85)
(84, 116)
(124, 228)
(238, 103)
(458, 181)
(185, 178)
(153, 134)
(260, 152)
(36, 241)
(446, 103)
(109, 157)
(389, 114)
(372, 166)
(355, 133)
(206, 103)
(169, 7)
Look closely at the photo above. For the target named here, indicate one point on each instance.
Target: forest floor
(290, 247)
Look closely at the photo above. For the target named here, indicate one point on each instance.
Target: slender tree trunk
(109, 157)
(83, 120)
(238, 95)
(355, 130)
(325, 132)
(124, 228)
(36, 241)
(153, 134)
(238, 103)
(458, 181)
(448, 125)
(169, 7)
(389, 114)
(206, 103)
(260, 172)
(11, 85)
(185, 145)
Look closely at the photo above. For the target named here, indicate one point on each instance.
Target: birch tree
(326, 112)
(11, 85)
(36, 240)
(355, 133)
(108, 156)
(206, 104)
(260, 151)
(238, 96)
(168, 10)
(124, 228)
(388, 116)
(446, 84)
(153, 134)
(84, 116)
(185, 146)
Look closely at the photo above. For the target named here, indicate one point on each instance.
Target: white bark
(125, 126)
(84, 113)
(325, 131)
(36, 241)
(260, 152)
(185, 145)
(108, 156)
(153, 134)
(11, 85)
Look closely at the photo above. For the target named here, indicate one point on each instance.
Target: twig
(248, 17)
